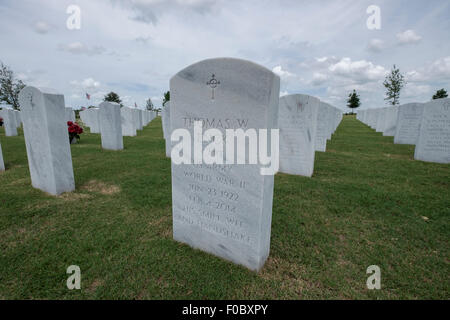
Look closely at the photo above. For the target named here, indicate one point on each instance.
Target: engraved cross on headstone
(213, 83)
(31, 101)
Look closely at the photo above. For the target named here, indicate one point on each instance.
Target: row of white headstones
(131, 120)
(225, 210)
(425, 125)
(44, 118)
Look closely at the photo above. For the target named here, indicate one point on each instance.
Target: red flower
(74, 130)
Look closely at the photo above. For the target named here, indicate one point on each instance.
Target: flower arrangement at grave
(1, 121)
(74, 131)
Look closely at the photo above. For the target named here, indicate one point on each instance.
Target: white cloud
(438, 70)
(307, 44)
(150, 11)
(80, 48)
(324, 62)
(88, 84)
(412, 90)
(143, 39)
(36, 78)
(318, 78)
(408, 37)
(41, 27)
(360, 70)
(375, 45)
(282, 73)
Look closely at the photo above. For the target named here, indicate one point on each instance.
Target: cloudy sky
(133, 47)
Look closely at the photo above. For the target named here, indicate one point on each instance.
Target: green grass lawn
(368, 203)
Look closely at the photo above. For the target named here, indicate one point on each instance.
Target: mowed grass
(368, 203)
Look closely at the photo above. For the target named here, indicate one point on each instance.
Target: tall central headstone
(47, 140)
(298, 124)
(224, 209)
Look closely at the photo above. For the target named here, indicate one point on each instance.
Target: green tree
(353, 100)
(149, 104)
(440, 94)
(113, 97)
(394, 83)
(166, 98)
(9, 87)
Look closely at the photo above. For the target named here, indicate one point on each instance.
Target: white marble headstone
(390, 121)
(110, 126)
(9, 121)
(47, 140)
(18, 118)
(2, 163)
(165, 115)
(84, 117)
(128, 123)
(408, 123)
(381, 120)
(434, 136)
(373, 118)
(224, 209)
(298, 122)
(139, 117)
(70, 114)
(323, 127)
(94, 120)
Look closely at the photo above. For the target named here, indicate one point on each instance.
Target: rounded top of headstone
(30, 97)
(225, 77)
(235, 62)
(327, 104)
